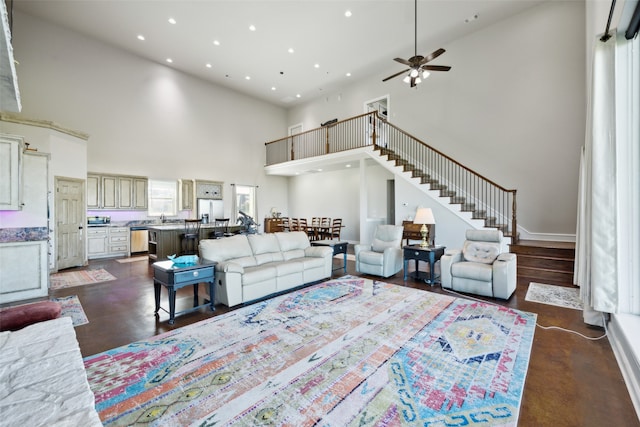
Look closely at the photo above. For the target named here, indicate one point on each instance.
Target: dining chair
(285, 224)
(190, 239)
(314, 231)
(334, 230)
(302, 224)
(293, 224)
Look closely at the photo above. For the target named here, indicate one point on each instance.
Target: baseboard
(621, 330)
(550, 237)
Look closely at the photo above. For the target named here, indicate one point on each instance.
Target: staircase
(467, 190)
(433, 183)
(545, 262)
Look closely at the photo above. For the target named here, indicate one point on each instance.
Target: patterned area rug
(72, 308)
(69, 279)
(560, 296)
(346, 352)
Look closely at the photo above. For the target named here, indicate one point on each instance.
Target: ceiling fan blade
(395, 75)
(403, 61)
(432, 56)
(436, 67)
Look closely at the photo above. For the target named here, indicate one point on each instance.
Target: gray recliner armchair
(383, 257)
(481, 267)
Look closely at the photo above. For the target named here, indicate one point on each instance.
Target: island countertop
(180, 226)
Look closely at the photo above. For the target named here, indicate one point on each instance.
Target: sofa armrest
(229, 267)
(450, 257)
(318, 252)
(393, 261)
(504, 275)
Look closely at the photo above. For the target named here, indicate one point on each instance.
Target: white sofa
(254, 266)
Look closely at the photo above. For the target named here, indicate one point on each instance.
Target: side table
(429, 254)
(175, 276)
(338, 248)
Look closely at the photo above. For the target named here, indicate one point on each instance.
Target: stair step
(549, 263)
(408, 167)
(540, 275)
(457, 200)
(447, 193)
(468, 207)
(479, 214)
(435, 186)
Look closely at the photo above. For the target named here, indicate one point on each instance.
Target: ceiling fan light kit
(418, 64)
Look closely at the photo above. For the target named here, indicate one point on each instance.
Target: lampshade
(424, 216)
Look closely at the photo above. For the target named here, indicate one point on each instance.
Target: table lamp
(424, 216)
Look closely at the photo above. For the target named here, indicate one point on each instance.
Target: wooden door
(71, 221)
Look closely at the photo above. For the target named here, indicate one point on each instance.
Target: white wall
(327, 194)
(145, 118)
(512, 108)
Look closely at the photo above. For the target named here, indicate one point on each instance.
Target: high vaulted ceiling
(318, 32)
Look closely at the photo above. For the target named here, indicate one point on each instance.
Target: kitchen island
(164, 239)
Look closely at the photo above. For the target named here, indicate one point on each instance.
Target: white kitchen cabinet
(104, 242)
(24, 270)
(119, 241)
(97, 242)
(94, 197)
(10, 172)
(186, 195)
(140, 193)
(116, 192)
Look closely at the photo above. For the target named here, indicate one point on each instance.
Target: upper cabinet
(116, 192)
(10, 172)
(209, 190)
(186, 195)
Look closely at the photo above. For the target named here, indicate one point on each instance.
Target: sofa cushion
(292, 240)
(371, 257)
(472, 270)
(293, 254)
(247, 261)
(223, 249)
(268, 257)
(312, 262)
(259, 274)
(380, 245)
(290, 267)
(263, 243)
(482, 252)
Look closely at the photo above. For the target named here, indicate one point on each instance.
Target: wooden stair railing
(474, 193)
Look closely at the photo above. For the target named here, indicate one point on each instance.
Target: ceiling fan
(418, 69)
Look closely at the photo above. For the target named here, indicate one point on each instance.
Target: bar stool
(191, 238)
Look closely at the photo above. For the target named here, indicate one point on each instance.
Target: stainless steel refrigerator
(213, 208)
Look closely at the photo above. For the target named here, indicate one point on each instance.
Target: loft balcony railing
(474, 193)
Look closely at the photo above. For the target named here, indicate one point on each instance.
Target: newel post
(514, 221)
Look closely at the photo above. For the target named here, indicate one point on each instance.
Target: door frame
(82, 217)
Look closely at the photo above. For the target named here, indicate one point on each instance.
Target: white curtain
(596, 234)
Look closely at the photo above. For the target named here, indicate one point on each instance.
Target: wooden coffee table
(175, 276)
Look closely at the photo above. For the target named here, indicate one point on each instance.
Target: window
(163, 196)
(245, 200)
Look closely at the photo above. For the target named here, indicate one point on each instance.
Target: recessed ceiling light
(290, 50)
(347, 14)
(216, 42)
(208, 65)
(298, 95)
(273, 88)
(348, 166)
(140, 37)
(319, 170)
(252, 27)
(247, 77)
(169, 60)
(316, 65)
(172, 21)
(348, 74)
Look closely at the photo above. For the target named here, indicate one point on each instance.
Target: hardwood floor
(571, 381)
